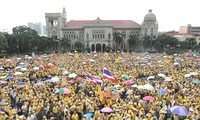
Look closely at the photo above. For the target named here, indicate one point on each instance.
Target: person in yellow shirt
(75, 116)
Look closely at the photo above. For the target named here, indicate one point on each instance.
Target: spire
(150, 10)
(64, 10)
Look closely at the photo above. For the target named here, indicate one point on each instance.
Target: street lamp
(17, 49)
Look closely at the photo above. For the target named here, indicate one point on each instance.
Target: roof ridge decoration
(98, 22)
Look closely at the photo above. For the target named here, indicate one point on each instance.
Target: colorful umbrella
(125, 76)
(3, 82)
(21, 83)
(89, 115)
(63, 91)
(148, 98)
(73, 75)
(129, 92)
(148, 87)
(54, 79)
(196, 81)
(81, 85)
(179, 110)
(39, 83)
(162, 92)
(106, 110)
(129, 82)
(79, 79)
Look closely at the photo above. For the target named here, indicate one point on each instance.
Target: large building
(41, 29)
(98, 34)
(195, 30)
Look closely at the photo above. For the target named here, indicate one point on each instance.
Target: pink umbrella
(41, 66)
(148, 98)
(79, 79)
(129, 82)
(71, 82)
(129, 92)
(106, 110)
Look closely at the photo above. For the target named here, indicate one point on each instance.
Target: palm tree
(132, 41)
(118, 39)
(65, 43)
(78, 45)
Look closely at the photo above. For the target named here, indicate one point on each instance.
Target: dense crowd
(54, 87)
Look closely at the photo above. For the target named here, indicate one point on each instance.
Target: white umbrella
(23, 69)
(18, 73)
(73, 75)
(19, 58)
(116, 86)
(148, 87)
(21, 63)
(65, 72)
(55, 79)
(71, 54)
(92, 60)
(18, 67)
(36, 68)
(83, 62)
(50, 64)
(162, 75)
(151, 78)
(140, 87)
(194, 73)
(187, 75)
(1, 68)
(176, 64)
(168, 79)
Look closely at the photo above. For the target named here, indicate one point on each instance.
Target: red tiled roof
(115, 23)
(178, 34)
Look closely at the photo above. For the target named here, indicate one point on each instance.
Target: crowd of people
(54, 87)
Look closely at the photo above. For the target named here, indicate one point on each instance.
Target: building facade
(189, 29)
(98, 34)
(41, 29)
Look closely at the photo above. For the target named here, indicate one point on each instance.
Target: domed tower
(149, 25)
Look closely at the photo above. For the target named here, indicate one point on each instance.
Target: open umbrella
(63, 91)
(54, 79)
(81, 85)
(129, 92)
(196, 81)
(162, 75)
(194, 73)
(39, 83)
(3, 82)
(179, 110)
(3, 77)
(106, 110)
(1, 68)
(73, 75)
(134, 85)
(21, 83)
(129, 82)
(79, 79)
(148, 87)
(125, 76)
(88, 115)
(187, 75)
(162, 92)
(18, 73)
(148, 98)
(151, 78)
(36, 68)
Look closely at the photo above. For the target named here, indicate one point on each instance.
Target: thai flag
(107, 74)
(93, 79)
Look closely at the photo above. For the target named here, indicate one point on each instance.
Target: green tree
(191, 43)
(132, 41)
(25, 38)
(118, 39)
(65, 43)
(3, 42)
(78, 45)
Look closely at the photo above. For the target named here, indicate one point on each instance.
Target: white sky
(171, 14)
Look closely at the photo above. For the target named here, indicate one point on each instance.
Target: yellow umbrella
(3, 77)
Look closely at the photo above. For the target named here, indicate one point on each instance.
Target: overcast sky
(171, 14)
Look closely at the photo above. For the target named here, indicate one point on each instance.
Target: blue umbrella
(162, 92)
(125, 76)
(89, 115)
(21, 83)
(10, 77)
(196, 81)
(179, 110)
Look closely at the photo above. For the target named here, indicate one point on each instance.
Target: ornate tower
(149, 25)
(64, 16)
(54, 24)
